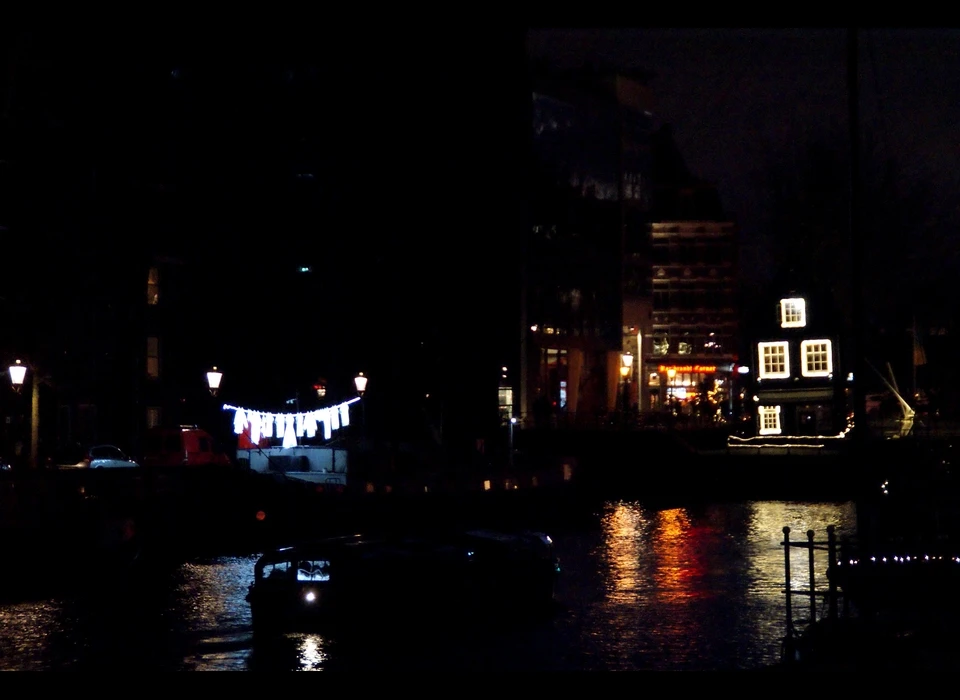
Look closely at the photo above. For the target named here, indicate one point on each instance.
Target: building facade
(799, 388)
(689, 363)
(693, 341)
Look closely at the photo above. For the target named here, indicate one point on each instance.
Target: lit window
(816, 358)
(769, 420)
(153, 357)
(153, 417)
(506, 403)
(153, 287)
(774, 360)
(793, 313)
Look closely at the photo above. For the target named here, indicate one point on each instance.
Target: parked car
(102, 457)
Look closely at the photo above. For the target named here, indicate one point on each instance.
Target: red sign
(705, 369)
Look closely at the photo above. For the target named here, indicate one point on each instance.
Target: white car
(104, 457)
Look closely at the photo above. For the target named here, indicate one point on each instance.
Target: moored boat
(360, 578)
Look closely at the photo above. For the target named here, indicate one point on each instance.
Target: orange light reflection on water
(656, 553)
(624, 530)
(680, 563)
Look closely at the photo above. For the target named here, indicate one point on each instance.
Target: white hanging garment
(335, 418)
(327, 430)
(256, 421)
(266, 425)
(239, 421)
(290, 435)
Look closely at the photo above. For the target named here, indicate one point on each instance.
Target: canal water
(641, 589)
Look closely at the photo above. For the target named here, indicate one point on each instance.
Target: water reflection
(24, 629)
(211, 594)
(685, 585)
(684, 588)
(312, 655)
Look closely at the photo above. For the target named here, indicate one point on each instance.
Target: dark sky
(737, 98)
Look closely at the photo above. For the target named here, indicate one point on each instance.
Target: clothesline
(228, 407)
(290, 425)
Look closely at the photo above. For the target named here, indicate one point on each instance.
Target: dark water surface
(643, 589)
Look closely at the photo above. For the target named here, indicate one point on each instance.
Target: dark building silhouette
(589, 199)
(291, 218)
(629, 256)
(157, 229)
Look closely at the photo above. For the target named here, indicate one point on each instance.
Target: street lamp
(626, 360)
(214, 376)
(513, 422)
(17, 374)
(360, 382)
(321, 388)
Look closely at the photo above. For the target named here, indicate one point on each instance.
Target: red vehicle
(186, 446)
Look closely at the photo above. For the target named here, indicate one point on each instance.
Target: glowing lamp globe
(213, 380)
(361, 383)
(627, 359)
(17, 374)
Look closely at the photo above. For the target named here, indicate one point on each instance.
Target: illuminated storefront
(691, 389)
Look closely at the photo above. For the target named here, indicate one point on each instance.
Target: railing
(831, 595)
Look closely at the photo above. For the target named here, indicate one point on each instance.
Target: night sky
(739, 99)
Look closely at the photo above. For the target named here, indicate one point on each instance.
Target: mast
(860, 431)
(913, 358)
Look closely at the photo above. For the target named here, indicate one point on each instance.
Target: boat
(478, 574)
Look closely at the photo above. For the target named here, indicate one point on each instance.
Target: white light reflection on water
(211, 594)
(312, 654)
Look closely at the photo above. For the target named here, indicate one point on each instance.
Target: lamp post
(513, 422)
(214, 377)
(18, 372)
(626, 360)
(360, 382)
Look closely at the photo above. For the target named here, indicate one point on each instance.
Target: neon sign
(706, 369)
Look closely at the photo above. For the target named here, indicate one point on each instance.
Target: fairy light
(903, 559)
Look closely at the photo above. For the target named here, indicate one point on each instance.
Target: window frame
(805, 357)
(798, 304)
(153, 286)
(762, 372)
(153, 354)
(762, 413)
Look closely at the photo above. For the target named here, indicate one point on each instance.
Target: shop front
(701, 391)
